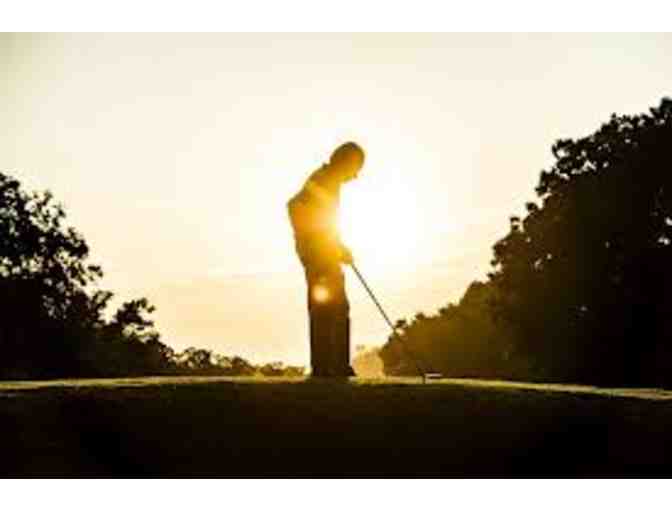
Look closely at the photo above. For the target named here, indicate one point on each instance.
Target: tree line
(581, 287)
(56, 320)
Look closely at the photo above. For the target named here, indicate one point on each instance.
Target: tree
(580, 289)
(52, 313)
(43, 276)
(461, 340)
(54, 316)
(584, 277)
(196, 360)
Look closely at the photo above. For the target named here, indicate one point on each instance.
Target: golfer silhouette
(313, 213)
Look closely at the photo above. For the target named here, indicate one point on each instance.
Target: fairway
(253, 427)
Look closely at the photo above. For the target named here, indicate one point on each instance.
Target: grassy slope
(289, 427)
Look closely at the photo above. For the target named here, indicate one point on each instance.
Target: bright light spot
(382, 221)
(320, 293)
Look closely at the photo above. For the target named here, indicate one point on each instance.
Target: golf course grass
(259, 427)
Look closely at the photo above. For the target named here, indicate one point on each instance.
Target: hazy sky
(175, 155)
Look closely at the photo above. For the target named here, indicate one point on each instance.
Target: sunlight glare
(320, 293)
(380, 220)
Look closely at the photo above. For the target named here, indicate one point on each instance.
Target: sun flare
(380, 221)
(320, 293)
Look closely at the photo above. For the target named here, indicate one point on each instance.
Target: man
(314, 213)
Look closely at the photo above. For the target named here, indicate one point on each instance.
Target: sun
(381, 221)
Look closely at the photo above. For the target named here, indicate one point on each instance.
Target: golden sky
(175, 154)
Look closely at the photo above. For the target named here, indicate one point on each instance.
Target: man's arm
(346, 255)
(297, 217)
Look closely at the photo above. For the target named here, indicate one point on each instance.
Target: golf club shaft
(373, 297)
(387, 319)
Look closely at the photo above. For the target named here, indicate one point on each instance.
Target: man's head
(347, 160)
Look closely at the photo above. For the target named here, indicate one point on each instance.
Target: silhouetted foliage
(585, 276)
(194, 361)
(459, 341)
(53, 315)
(580, 287)
(277, 369)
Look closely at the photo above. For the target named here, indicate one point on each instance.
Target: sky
(175, 154)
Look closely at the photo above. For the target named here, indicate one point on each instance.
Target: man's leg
(340, 332)
(341, 344)
(320, 328)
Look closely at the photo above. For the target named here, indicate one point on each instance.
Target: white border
(332, 494)
(335, 15)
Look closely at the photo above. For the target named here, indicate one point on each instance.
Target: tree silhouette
(580, 286)
(52, 315)
(584, 277)
(461, 340)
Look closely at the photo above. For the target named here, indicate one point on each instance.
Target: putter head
(431, 376)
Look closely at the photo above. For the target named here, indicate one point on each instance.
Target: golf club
(430, 374)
